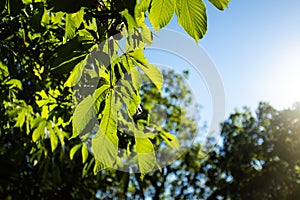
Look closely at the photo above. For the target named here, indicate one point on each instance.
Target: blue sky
(255, 46)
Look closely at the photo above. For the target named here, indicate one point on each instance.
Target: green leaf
(83, 114)
(131, 23)
(153, 73)
(132, 70)
(98, 167)
(73, 21)
(3, 70)
(220, 4)
(67, 56)
(192, 17)
(87, 167)
(76, 74)
(129, 97)
(84, 153)
(61, 135)
(53, 137)
(144, 5)
(105, 142)
(31, 1)
(74, 150)
(40, 130)
(170, 139)
(23, 113)
(145, 154)
(15, 83)
(21, 117)
(161, 13)
(99, 95)
(86, 110)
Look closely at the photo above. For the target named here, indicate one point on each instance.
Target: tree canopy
(259, 156)
(85, 58)
(72, 75)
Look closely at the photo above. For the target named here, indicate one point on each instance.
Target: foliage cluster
(48, 47)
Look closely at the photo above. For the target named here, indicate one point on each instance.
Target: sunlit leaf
(220, 4)
(145, 154)
(39, 131)
(74, 150)
(134, 73)
(161, 13)
(84, 153)
(105, 142)
(170, 139)
(131, 23)
(98, 167)
(73, 21)
(128, 95)
(14, 83)
(3, 70)
(83, 114)
(144, 5)
(76, 74)
(192, 17)
(100, 94)
(87, 167)
(31, 1)
(21, 117)
(153, 73)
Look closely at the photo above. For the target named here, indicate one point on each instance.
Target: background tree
(258, 157)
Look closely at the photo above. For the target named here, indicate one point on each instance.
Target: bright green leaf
(84, 153)
(39, 131)
(105, 142)
(83, 114)
(21, 117)
(170, 139)
(134, 73)
(74, 150)
(220, 4)
(3, 70)
(129, 97)
(192, 17)
(98, 167)
(153, 73)
(145, 154)
(87, 167)
(76, 74)
(161, 13)
(15, 83)
(31, 1)
(144, 5)
(131, 23)
(100, 94)
(73, 21)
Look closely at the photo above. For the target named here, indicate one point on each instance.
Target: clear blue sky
(255, 46)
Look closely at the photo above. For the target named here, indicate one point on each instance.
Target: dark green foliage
(259, 158)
